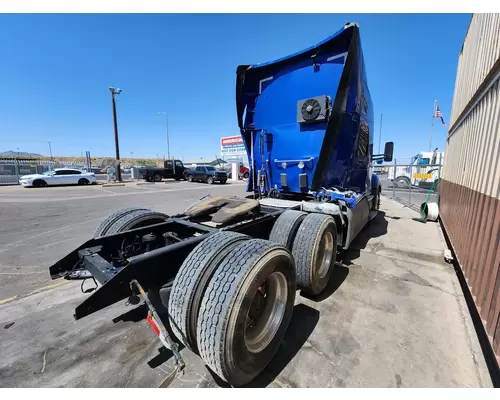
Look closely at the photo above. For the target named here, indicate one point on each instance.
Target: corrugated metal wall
(470, 187)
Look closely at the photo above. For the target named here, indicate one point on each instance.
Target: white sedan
(60, 176)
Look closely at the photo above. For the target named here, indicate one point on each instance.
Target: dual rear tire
(233, 297)
(231, 303)
(312, 239)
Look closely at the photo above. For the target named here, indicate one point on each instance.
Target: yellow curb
(8, 300)
(48, 287)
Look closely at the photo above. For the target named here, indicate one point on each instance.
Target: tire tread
(106, 224)
(191, 272)
(285, 227)
(220, 297)
(304, 247)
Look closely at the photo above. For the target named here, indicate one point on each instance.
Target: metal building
(470, 186)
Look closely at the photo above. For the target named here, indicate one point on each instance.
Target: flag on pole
(438, 114)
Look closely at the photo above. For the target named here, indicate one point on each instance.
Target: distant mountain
(11, 153)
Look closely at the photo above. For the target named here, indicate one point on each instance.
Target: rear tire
(246, 310)
(39, 183)
(111, 219)
(136, 219)
(376, 199)
(314, 250)
(285, 228)
(192, 280)
(402, 182)
(157, 178)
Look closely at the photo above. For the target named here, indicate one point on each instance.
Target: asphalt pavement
(41, 225)
(392, 316)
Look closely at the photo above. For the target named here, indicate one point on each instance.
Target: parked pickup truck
(206, 173)
(172, 169)
(244, 171)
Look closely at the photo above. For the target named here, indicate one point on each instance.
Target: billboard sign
(232, 146)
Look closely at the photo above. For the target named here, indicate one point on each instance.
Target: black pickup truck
(172, 169)
(206, 173)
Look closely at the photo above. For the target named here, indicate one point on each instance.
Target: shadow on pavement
(338, 277)
(136, 314)
(302, 324)
(375, 228)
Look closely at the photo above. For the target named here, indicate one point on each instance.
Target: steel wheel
(246, 309)
(266, 312)
(325, 255)
(314, 249)
(402, 183)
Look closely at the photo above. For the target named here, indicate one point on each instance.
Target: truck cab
(423, 170)
(307, 120)
(172, 169)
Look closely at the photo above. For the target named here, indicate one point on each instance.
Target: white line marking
(17, 244)
(106, 190)
(54, 200)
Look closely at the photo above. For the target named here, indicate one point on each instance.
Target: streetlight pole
(166, 131)
(115, 124)
(50, 151)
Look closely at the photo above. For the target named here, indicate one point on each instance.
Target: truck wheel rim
(325, 254)
(266, 312)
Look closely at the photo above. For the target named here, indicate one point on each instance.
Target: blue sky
(56, 69)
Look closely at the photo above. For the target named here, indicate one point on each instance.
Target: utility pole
(117, 147)
(380, 133)
(166, 131)
(432, 125)
(50, 151)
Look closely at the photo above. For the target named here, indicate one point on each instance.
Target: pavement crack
(418, 280)
(44, 361)
(129, 378)
(321, 353)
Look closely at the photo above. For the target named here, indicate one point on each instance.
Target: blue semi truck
(221, 278)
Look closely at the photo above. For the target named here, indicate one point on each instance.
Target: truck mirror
(388, 151)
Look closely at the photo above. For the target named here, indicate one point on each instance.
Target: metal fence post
(411, 182)
(439, 182)
(16, 166)
(393, 181)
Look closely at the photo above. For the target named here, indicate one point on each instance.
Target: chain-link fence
(11, 169)
(410, 184)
